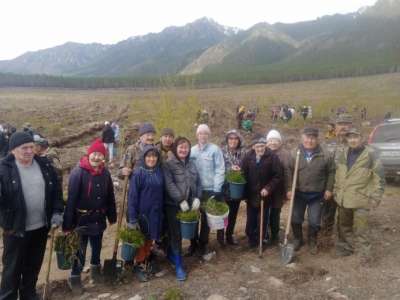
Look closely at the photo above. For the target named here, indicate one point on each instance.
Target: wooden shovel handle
(289, 221)
(120, 216)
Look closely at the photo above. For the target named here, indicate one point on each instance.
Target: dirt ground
(235, 272)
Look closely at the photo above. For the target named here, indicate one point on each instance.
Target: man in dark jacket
(108, 138)
(314, 185)
(30, 202)
(90, 202)
(263, 172)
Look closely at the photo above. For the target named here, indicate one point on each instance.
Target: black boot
(75, 284)
(298, 236)
(312, 240)
(192, 248)
(95, 273)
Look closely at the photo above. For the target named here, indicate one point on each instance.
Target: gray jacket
(182, 181)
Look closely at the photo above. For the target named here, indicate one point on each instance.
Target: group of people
(171, 176)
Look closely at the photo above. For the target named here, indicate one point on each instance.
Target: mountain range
(366, 40)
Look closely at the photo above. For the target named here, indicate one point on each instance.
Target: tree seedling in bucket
(216, 208)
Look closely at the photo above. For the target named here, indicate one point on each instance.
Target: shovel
(112, 267)
(46, 289)
(287, 250)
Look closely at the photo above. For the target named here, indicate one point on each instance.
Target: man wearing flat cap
(359, 186)
(165, 143)
(30, 203)
(314, 186)
(133, 153)
(343, 123)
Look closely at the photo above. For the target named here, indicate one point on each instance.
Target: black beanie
(19, 138)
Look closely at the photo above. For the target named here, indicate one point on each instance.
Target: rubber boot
(171, 256)
(75, 284)
(298, 236)
(180, 271)
(141, 272)
(312, 241)
(95, 273)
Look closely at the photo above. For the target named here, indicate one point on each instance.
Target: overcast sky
(28, 25)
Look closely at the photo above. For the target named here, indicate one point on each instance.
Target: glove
(196, 204)
(56, 220)
(184, 206)
(133, 226)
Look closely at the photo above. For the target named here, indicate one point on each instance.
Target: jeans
(110, 149)
(22, 260)
(95, 244)
(312, 202)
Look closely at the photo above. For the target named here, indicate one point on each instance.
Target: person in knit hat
(278, 198)
(30, 203)
(263, 173)
(165, 143)
(133, 153)
(90, 204)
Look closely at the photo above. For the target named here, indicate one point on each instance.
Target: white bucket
(217, 222)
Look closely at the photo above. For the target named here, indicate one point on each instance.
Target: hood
(237, 133)
(84, 164)
(147, 149)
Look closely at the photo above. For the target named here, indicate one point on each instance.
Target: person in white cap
(274, 143)
(209, 162)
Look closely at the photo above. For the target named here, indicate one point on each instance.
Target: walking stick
(46, 289)
(287, 251)
(261, 230)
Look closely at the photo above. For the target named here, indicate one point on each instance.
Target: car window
(387, 134)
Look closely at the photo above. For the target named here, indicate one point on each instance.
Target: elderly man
(359, 185)
(314, 186)
(343, 123)
(133, 152)
(30, 202)
(209, 162)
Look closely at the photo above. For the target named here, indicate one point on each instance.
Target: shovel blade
(112, 268)
(287, 254)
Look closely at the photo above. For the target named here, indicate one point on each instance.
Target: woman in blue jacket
(145, 206)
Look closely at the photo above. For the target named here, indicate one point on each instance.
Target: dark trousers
(252, 223)
(174, 229)
(95, 244)
(233, 212)
(22, 260)
(302, 201)
(272, 218)
(202, 239)
(328, 216)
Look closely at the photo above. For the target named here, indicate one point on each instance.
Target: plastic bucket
(236, 190)
(217, 222)
(62, 262)
(128, 252)
(188, 229)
